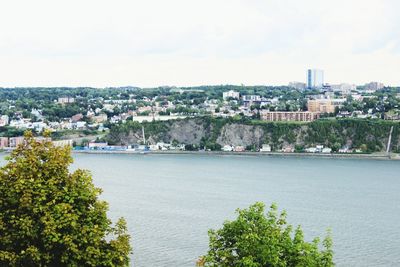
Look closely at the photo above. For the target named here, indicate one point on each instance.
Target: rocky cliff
(213, 133)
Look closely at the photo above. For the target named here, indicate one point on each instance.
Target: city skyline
(189, 43)
(314, 79)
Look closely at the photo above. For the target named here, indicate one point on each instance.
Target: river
(170, 201)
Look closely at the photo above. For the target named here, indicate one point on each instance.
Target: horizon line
(185, 86)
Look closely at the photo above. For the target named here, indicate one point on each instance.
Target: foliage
(10, 132)
(51, 217)
(190, 147)
(63, 134)
(256, 239)
(152, 128)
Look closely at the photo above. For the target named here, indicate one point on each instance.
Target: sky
(151, 43)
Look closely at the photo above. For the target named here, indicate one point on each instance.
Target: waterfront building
(326, 150)
(265, 148)
(15, 141)
(3, 142)
(94, 145)
(311, 150)
(345, 149)
(153, 147)
(304, 116)
(315, 78)
(42, 139)
(227, 148)
(288, 149)
(230, 94)
(239, 149)
(62, 143)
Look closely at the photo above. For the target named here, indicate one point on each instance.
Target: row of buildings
(315, 108)
(13, 142)
(304, 116)
(325, 105)
(271, 107)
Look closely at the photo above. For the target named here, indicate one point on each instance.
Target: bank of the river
(382, 156)
(170, 201)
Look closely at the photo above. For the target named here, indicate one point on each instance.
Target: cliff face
(186, 131)
(213, 132)
(241, 135)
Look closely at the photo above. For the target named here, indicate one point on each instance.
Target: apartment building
(326, 105)
(304, 116)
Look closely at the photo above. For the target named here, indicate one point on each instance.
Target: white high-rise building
(315, 78)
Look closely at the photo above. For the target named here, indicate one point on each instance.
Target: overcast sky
(187, 42)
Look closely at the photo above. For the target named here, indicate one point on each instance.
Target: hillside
(212, 133)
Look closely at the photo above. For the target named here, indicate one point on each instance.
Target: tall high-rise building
(315, 78)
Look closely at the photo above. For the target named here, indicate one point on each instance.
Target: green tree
(364, 148)
(51, 217)
(256, 239)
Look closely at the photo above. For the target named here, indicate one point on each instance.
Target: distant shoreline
(316, 155)
(376, 156)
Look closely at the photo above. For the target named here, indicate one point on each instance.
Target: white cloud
(188, 42)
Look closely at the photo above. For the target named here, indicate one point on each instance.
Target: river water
(170, 201)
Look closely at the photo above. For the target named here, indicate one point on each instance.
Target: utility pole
(144, 137)
(389, 142)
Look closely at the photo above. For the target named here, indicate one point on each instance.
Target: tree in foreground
(256, 239)
(51, 217)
